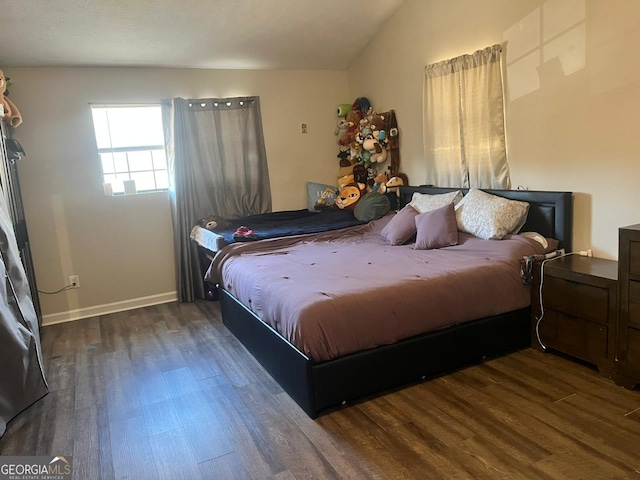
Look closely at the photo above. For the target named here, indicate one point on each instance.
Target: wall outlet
(74, 281)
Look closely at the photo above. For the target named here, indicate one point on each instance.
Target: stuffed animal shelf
(12, 115)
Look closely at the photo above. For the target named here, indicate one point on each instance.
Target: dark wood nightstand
(628, 367)
(580, 300)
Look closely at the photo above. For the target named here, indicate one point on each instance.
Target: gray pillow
(320, 196)
(401, 228)
(371, 207)
(436, 228)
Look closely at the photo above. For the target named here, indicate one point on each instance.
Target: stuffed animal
(341, 130)
(380, 183)
(353, 118)
(377, 122)
(395, 182)
(360, 174)
(12, 115)
(345, 180)
(345, 157)
(362, 105)
(214, 223)
(378, 129)
(378, 153)
(350, 195)
(353, 127)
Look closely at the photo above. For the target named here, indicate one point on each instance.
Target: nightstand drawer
(632, 351)
(575, 336)
(634, 260)
(576, 299)
(634, 304)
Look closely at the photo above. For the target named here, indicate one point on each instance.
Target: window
(464, 128)
(130, 143)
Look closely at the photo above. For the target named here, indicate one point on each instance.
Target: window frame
(129, 173)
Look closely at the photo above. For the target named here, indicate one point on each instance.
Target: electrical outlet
(74, 281)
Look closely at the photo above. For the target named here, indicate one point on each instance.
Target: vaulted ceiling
(264, 34)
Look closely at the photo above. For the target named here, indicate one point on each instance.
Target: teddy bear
(353, 126)
(377, 122)
(341, 129)
(214, 223)
(12, 115)
(350, 195)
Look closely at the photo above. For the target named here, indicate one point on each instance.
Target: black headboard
(550, 213)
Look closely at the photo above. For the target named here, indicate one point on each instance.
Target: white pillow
(489, 216)
(423, 202)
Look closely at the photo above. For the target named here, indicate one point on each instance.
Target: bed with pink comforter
(348, 290)
(338, 315)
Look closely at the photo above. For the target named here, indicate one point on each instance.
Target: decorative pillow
(320, 196)
(401, 227)
(424, 202)
(489, 216)
(436, 228)
(371, 207)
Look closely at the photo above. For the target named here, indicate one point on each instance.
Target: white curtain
(464, 130)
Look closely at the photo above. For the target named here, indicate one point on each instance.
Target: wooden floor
(167, 392)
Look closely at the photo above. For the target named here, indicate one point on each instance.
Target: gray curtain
(217, 166)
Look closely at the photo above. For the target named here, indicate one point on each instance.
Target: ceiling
(256, 34)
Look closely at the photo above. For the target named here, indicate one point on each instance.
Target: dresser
(580, 299)
(628, 368)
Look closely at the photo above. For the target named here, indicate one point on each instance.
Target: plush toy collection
(369, 153)
(12, 115)
(369, 147)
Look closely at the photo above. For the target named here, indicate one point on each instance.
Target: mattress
(339, 292)
(276, 224)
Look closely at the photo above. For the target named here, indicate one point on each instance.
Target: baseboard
(108, 308)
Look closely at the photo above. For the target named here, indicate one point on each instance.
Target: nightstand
(628, 368)
(580, 300)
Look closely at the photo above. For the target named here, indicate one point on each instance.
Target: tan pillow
(423, 202)
(489, 216)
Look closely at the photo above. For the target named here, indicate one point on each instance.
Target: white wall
(122, 247)
(572, 118)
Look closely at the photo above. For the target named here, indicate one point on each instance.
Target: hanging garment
(22, 379)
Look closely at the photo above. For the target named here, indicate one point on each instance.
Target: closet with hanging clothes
(22, 377)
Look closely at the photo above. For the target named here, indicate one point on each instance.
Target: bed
(275, 224)
(264, 226)
(319, 379)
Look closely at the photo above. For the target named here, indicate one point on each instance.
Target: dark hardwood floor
(167, 392)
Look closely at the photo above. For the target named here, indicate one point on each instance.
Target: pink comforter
(339, 292)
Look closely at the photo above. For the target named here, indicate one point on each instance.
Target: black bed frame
(319, 386)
